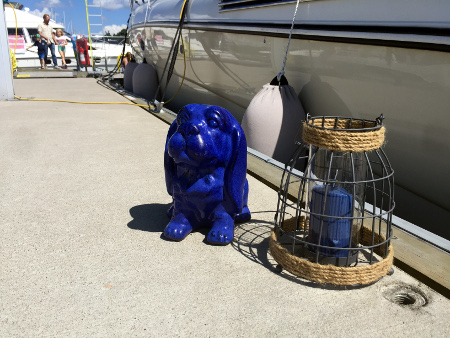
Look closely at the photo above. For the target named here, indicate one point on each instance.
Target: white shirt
(46, 30)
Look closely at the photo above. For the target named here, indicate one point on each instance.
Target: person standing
(62, 42)
(46, 33)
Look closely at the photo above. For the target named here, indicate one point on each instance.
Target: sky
(115, 13)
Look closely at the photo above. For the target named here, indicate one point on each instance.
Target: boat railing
(105, 43)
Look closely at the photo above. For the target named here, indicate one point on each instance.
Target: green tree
(123, 32)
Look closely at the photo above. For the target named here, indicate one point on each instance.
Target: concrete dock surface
(83, 207)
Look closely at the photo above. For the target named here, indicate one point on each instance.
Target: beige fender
(273, 120)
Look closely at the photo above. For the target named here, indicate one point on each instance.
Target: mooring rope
(281, 73)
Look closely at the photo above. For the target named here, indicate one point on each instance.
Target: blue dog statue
(205, 164)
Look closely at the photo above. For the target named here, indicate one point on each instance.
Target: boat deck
(83, 209)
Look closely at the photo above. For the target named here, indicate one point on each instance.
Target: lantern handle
(380, 119)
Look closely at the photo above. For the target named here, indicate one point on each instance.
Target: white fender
(273, 120)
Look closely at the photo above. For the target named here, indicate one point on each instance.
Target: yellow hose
(15, 44)
(67, 101)
(81, 102)
(182, 8)
(89, 33)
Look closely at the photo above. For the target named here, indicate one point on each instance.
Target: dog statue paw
(205, 164)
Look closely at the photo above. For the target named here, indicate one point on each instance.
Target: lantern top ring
(344, 134)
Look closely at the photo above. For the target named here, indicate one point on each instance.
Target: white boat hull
(406, 78)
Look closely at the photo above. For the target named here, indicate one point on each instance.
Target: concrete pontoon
(83, 207)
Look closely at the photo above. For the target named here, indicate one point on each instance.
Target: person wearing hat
(41, 50)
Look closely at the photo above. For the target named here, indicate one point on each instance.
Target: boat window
(12, 31)
(16, 5)
(228, 5)
(32, 32)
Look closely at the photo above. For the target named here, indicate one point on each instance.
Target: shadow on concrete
(149, 217)
(153, 218)
(251, 239)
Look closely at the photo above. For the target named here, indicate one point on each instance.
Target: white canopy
(25, 19)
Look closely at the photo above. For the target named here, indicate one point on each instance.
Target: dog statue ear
(169, 163)
(235, 173)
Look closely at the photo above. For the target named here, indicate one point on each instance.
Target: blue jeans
(52, 49)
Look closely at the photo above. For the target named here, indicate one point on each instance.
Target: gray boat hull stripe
(439, 42)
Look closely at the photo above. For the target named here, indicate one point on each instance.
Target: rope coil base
(342, 140)
(330, 274)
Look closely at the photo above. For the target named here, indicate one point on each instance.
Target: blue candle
(335, 230)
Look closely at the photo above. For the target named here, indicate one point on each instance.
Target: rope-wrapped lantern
(334, 217)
